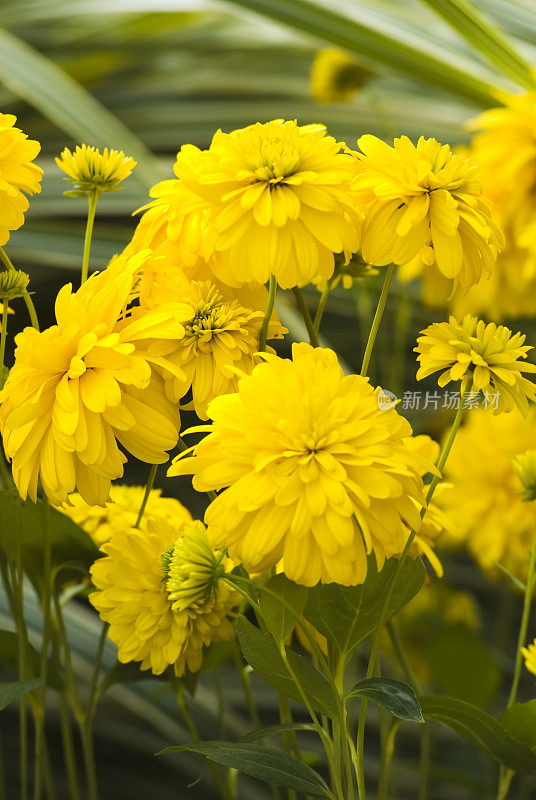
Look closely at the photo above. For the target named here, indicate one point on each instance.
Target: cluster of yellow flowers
(312, 472)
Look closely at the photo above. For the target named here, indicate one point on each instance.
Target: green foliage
(346, 615)
(274, 730)
(393, 696)
(278, 618)
(14, 690)
(9, 658)
(520, 721)
(264, 763)
(481, 730)
(261, 653)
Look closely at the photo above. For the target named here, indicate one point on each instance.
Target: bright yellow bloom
(159, 590)
(220, 337)
(336, 77)
(90, 170)
(488, 353)
(525, 468)
(85, 385)
(529, 654)
(317, 473)
(17, 175)
(121, 512)
(424, 202)
(483, 498)
(281, 201)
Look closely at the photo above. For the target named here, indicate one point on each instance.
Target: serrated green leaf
(261, 653)
(481, 730)
(14, 690)
(395, 696)
(265, 763)
(279, 620)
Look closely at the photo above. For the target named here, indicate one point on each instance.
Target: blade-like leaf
(279, 620)
(394, 696)
(486, 37)
(43, 84)
(265, 763)
(481, 730)
(520, 721)
(12, 691)
(274, 730)
(369, 41)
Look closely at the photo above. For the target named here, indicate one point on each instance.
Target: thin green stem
(386, 760)
(86, 736)
(243, 672)
(46, 595)
(424, 764)
(304, 311)
(397, 647)
(324, 297)
(92, 206)
(68, 747)
(290, 741)
(93, 696)
(263, 335)
(25, 295)
(3, 336)
(3, 790)
(148, 488)
(377, 318)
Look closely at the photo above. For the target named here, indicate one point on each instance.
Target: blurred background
(147, 76)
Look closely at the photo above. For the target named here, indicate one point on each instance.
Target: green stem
(3, 337)
(376, 641)
(86, 736)
(290, 741)
(424, 765)
(263, 335)
(397, 647)
(46, 594)
(68, 747)
(246, 686)
(377, 318)
(386, 760)
(92, 206)
(304, 311)
(148, 488)
(324, 297)
(93, 696)
(25, 295)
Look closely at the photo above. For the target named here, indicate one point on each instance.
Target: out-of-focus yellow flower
(89, 170)
(220, 337)
(159, 590)
(10, 311)
(18, 176)
(483, 496)
(529, 654)
(336, 77)
(317, 473)
(488, 353)
(281, 201)
(121, 511)
(424, 202)
(348, 272)
(525, 468)
(85, 385)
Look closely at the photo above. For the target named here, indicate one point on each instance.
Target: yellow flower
(336, 77)
(159, 590)
(483, 497)
(17, 175)
(121, 511)
(90, 170)
(529, 654)
(487, 353)
(281, 201)
(13, 282)
(220, 337)
(317, 473)
(424, 202)
(525, 468)
(85, 385)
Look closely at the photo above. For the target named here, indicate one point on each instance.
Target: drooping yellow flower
(82, 387)
(424, 202)
(221, 336)
(529, 654)
(89, 170)
(490, 354)
(336, 77)
(159, 590)
(121, 511)
(317, 473)
(18, 176)
(281, 201)
(483, 497)
(13, 282)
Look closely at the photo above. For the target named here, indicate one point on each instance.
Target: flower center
(191, 571)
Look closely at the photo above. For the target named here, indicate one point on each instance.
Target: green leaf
(43, 84)
(367, 39)
(261, 653)
(265, 763)
(481, 730)
(12, 691)
(395, 696)
(274, 730)
(72, 549)
(279, 620)
(520, 721)
(348, 614)
(124, 673)
(486, 37)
